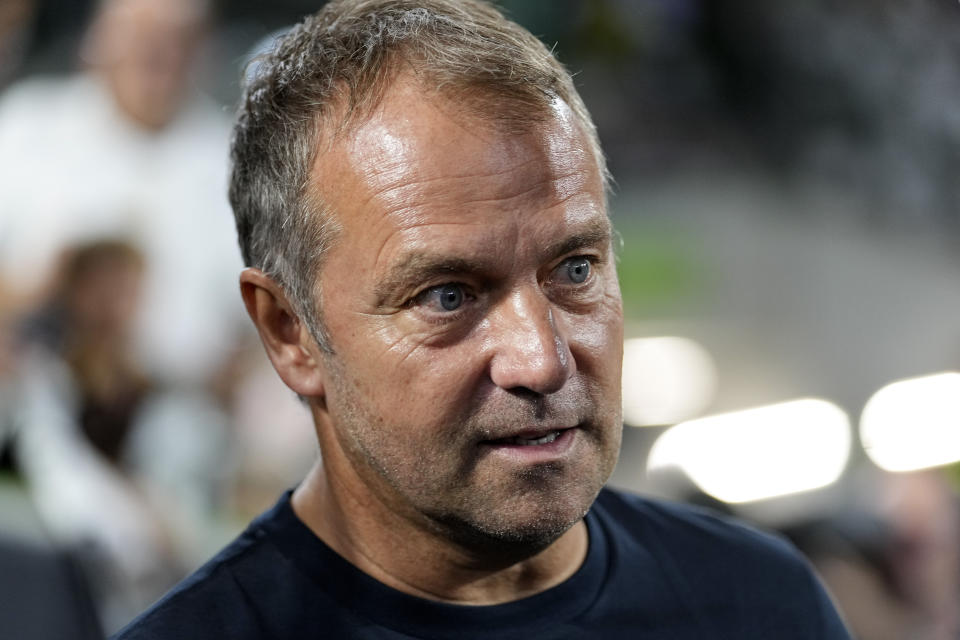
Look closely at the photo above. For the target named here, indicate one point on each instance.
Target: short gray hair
(333, 67)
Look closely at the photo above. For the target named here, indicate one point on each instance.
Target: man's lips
(532, 447)
(529, 437)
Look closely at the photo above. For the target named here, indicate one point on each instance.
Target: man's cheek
(598, 335)
(402, 342)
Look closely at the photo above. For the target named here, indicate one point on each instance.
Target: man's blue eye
(451, 296)
(443, 297)
(578, 269)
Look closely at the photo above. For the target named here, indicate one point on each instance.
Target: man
(420, 194)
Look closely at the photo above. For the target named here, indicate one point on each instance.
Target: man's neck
(421, 562)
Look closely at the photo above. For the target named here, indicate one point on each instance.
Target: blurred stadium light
(665, 380)
(759, 453)
(914, 423)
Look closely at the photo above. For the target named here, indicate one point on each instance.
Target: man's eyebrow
(597, 232)
(418, 267)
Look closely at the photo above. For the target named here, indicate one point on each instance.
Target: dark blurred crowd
(136, 408)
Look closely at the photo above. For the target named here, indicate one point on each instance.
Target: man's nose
(530, 349)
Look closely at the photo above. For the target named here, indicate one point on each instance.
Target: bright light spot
(913, 424)
(759, 453)
(665, 380)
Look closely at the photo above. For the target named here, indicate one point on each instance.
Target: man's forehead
(417, 143)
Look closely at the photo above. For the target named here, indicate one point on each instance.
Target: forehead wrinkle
(389, 146)
(555, 187)
(386, 146)
(596, 230)
(410, 224)
(422, 186)
(388, 159)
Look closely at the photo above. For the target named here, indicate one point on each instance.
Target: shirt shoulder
(212, 602)
(276, 580)
(695, 534)
(726, 572)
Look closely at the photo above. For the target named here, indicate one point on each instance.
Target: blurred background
(790, 221)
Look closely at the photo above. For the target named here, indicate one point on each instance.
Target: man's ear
(289, 345)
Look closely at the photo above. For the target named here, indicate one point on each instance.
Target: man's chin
(523, 530)
(515, 541)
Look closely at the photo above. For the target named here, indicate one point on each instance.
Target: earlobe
(287, 341)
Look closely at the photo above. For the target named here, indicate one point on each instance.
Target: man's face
(473, 309)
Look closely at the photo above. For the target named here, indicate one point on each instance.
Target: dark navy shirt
(653, 570)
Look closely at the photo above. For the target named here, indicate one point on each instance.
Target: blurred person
(924, 514)
(895, 572)
(82, 402)
(86, 324)
(79, 392)
(129, 147)
(420, 196)
(853, 552)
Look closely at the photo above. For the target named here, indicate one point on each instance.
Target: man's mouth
(529, 439)
(529, 442)
(534, 446)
